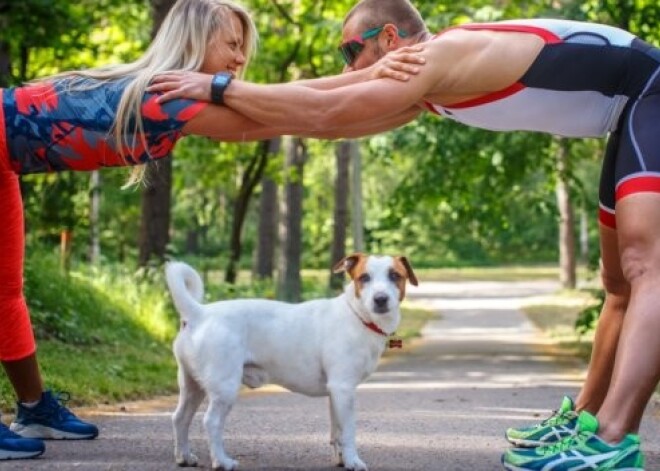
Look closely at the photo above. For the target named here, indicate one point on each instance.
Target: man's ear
(391, 35)
(409, 271)
(347, 264)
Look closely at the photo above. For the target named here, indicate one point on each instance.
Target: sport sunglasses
(353, 47)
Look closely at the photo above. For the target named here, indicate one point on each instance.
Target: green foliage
(588, 318)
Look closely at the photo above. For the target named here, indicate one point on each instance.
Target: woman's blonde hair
(180, 44)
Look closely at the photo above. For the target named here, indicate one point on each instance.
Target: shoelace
(58, 404)
(565, 443)
(556, 416)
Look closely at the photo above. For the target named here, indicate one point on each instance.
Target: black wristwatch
(219, 84)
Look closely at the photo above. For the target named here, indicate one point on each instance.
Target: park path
(441, 405)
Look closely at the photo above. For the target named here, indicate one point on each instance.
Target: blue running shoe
(15, 447)
(51, 420)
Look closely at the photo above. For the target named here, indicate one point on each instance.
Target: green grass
(556, 315)
(103, 336)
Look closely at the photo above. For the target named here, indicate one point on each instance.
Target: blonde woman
(84, 120)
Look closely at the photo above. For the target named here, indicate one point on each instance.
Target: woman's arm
(398, 65)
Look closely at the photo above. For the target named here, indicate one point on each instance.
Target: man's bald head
(376, 13)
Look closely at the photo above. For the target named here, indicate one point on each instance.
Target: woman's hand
(399, 64)
(180, 84)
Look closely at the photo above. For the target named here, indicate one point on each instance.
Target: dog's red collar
(373, 327)
(393, 343)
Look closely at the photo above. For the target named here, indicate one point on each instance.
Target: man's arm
(326, 110)
(224, 124)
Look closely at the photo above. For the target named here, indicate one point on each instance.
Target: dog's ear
(409, 271)
(347, 264)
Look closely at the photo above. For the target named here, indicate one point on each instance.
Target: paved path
(442, 405)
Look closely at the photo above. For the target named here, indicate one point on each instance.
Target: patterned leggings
(16, 335)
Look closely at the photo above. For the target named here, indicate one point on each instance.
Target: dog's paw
(187, 461)
(226, 464)
(355, 464)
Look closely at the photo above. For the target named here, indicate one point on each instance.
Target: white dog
(325, 347)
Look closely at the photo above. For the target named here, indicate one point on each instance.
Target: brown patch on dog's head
(405, 272)
(354, 265)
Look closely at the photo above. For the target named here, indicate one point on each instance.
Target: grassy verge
(556, 315)
(105, 335)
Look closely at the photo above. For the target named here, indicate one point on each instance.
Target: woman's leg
(17, 346)
(617, 293)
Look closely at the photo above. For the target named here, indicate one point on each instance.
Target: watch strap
(219, 84)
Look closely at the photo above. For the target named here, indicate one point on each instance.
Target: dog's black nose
(380, 300)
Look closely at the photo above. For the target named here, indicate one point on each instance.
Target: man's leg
(637, 365)
(617, 292)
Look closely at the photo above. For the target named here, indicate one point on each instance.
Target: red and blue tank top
(50, 128)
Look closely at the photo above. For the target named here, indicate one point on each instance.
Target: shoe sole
(511, 467)
(19, 455)
(48, 433)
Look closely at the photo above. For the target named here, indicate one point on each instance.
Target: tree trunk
(356, 198)
(584, 235)
(268, 220)
(95, 207)
(156, 194)
(251, 177)
(291, 228)
(5, 62)
(338, 250)
(567, 263)
(155, 221)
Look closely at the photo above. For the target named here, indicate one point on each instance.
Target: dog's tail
(187, 290)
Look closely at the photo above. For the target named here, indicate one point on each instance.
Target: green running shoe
(558, 426)
(582, 451)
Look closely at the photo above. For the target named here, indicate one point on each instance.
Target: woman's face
(225, 50)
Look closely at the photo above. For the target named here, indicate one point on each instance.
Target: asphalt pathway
(442, 405)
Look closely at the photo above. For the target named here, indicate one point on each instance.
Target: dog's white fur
(317, 348)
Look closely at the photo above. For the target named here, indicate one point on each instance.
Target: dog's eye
(364, 278)
(395, 277)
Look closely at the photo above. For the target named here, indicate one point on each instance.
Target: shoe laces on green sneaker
(558, 426)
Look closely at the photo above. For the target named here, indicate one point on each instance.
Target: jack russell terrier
(324, 347)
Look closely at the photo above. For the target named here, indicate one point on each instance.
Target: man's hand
(400, 64)
(179, 84)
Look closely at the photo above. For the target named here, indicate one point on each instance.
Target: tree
(250, 178)
(567, 259)
(291, 225)
(343, 159)
(268, 222)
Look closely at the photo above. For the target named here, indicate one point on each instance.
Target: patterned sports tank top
(50, 127)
